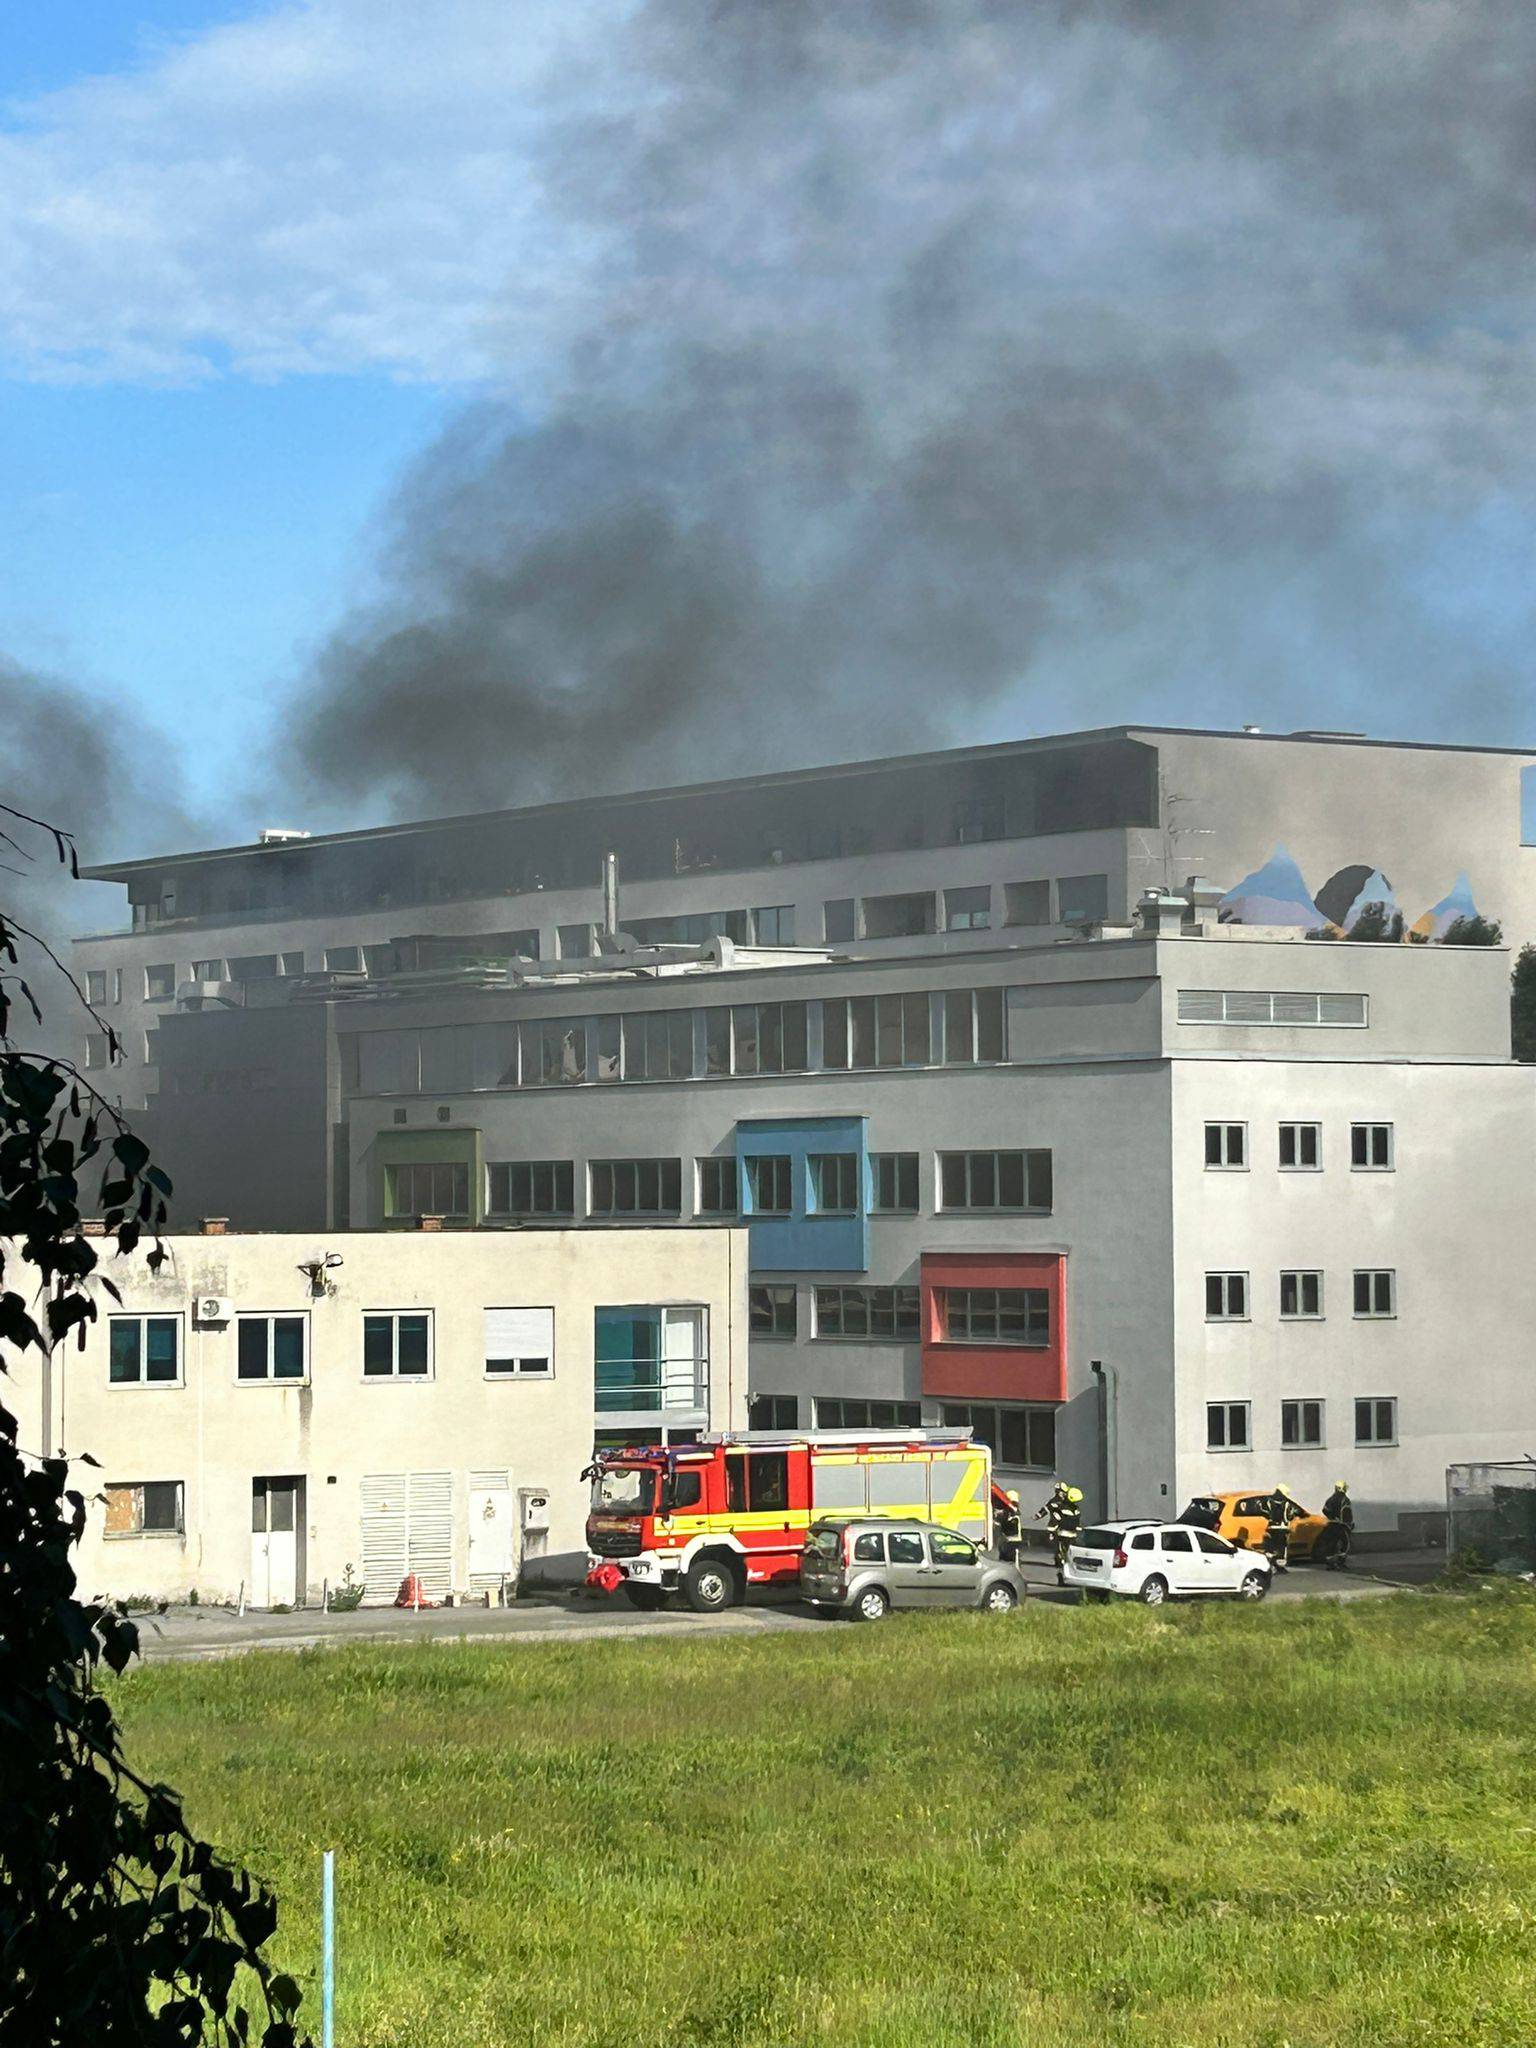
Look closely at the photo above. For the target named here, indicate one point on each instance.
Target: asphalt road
(196, 1633)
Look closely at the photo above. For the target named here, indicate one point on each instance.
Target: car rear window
(825, 1543)
(1097, 1539)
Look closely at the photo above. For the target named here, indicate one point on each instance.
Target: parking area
(198, 1633)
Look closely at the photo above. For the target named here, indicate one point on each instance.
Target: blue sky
(1179, 382)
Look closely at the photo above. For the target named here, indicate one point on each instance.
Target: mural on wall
(1273, 894)
(1437, 921)
(1354, 899)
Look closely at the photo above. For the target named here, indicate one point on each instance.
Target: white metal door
(407, 1528)
(492, 1528)
(274, 1543)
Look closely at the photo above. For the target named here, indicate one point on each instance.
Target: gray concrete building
(1185, 1199)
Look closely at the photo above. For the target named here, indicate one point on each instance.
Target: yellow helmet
(1284, 1492)
(1074, 1493)
(1339, 1486)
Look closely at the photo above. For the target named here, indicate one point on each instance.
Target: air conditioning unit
(213, 1308)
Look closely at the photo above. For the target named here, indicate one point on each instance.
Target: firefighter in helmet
(1063, 1519)
(1277, 1532)
(1339, 1511)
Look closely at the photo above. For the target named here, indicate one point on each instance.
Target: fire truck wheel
(711, 1585)
(873, 1604)
(646, 1598)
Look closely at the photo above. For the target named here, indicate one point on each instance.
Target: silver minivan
(865, 1568)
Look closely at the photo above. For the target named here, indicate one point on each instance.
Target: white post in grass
(328, 1950)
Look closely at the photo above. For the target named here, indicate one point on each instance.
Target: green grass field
(1301, 1825)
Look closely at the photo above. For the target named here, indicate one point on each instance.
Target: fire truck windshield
(624, 1492)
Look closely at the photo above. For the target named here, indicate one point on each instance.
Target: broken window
(144, 1507)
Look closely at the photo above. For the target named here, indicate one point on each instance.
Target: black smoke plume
(946, 367)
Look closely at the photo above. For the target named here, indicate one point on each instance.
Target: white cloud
(340, 185)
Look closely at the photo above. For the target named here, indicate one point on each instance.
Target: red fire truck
(714, 1517)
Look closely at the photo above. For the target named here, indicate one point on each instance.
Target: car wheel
(873, 1604)
(711, 1585)
(1254, 1587)
(1154, 1591)
(999, 1599)
(646, 1598)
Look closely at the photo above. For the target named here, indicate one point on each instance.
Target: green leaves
(117, 1924)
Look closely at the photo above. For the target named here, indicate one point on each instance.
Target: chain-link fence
(1491, 1512)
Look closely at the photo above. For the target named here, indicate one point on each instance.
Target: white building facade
(275, 1414)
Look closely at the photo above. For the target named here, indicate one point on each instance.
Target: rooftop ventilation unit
(279, 835)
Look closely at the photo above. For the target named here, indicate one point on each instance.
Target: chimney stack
(215, 1226)
(610, 895)
(429, 1222)
(92, 1226)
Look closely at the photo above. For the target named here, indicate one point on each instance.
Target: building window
(996, 1315)
(835, 1183)
(774, 925)
(1082, 899)
(151, 1048)
(650, 1360)
(836, 1413)
(427, 1188)
(694, 928)
(574, 941)
(98, 1051)
(398, 1346)
(635, 1187)
(773, 1411)
(894, 1179)
(718, 1194)
(144, 1507)
(658, 1046)
(519, 1343)
(253, 967)
(772, 1312)
(867, 1312)
(898, 917)
(996, 1181)
(117, 984)
(159, 984)
(837, 922)
(770, 1181)
(96, 987)
(1288, 1007)
(875, 1031)
(290, 963)
(1226, 1147)
(272, 1347)
(1015, 1436)
(973, 1026)
(1301, 1425)
(1370, 1148)
(1027, 902)
(208, 970)
(144, 1351)
(1226, 1426)
(1301, 1296)
(968, 910)
(342, 960)
(533, 1187)
(552, 1052)
(1376, 1293)
(1301, 1147)
(1226, 1297)
(756, 1038)
(1375, 1422)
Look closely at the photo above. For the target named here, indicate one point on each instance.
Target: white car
(1158, 1561)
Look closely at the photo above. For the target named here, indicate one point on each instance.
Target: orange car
(1242, 1518)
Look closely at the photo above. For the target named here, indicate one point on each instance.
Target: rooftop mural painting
(1277, 894)
(1437, 920)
